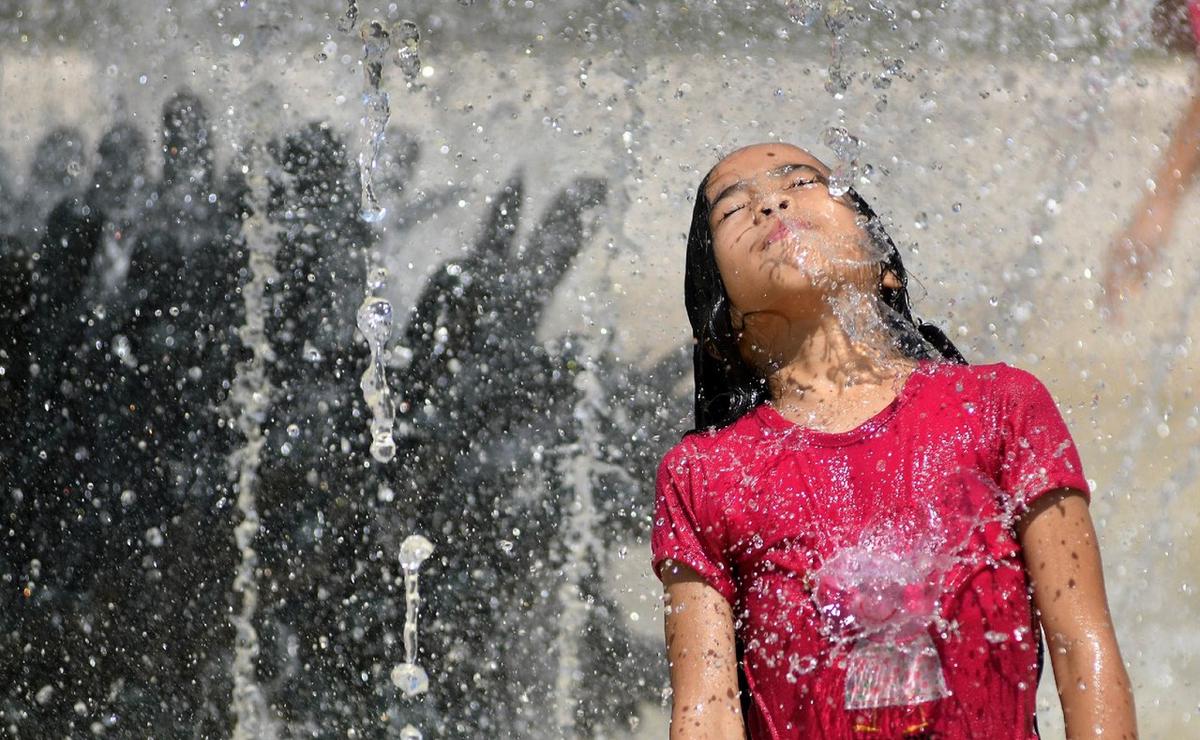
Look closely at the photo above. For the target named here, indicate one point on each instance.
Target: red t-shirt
(877, 586)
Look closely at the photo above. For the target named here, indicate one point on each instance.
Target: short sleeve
(1038, 454)
(684, 529)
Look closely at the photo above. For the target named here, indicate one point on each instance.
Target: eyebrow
(779, 171)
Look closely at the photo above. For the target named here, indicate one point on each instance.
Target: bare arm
(1063, 562)
(1182, 159)
(702, 657)
(1136, 248)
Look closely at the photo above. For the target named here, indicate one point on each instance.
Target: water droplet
(413, 551)
(408, 58)
(375, 319)
(846, 148)
(383, 448)
(377, 111)
(372, 213)
(410, 679)
(375, 323)
(347, 21)
(805, 12)
(410, 733)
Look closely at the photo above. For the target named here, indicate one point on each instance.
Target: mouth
(785, 228)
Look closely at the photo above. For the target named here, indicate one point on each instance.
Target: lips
(784, 229)
(779, 232)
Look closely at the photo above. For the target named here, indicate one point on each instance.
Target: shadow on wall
(121, 302)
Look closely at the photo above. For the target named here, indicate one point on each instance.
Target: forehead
(751, 161)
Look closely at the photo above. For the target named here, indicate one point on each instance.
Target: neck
(818, 355)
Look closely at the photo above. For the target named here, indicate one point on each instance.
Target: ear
(737, 319)
(890, 281)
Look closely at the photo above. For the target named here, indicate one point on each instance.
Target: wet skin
(789, 253)
(760, 191)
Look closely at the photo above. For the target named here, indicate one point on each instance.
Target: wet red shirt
(841, 551)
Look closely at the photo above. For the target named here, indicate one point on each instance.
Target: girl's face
(782, 242)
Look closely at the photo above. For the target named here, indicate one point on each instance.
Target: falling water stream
(251, 398)
(375, 318)
(376, 42)
(409, 677)
(375, 323)
(576, 465)
(350, 18)
(846, 149)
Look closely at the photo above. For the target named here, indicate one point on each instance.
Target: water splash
(879, 596)
(886, 598)
(251, 396)
(376, 112)
(347, 22)
(581, 520)
(627, 159)
(846, 149)
(408, 58)
(892, 69)
(375, 322)
(408, 676)
(837, 17)
(805, 12)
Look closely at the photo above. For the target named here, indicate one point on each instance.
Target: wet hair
(727, 387)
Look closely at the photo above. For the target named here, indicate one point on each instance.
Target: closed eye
(732, 211)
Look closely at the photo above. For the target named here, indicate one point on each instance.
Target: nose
(774, 202)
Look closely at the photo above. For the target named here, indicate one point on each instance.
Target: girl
(851, 538)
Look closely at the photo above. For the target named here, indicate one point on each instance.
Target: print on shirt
(879, 598)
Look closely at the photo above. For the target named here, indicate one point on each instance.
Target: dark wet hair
(727, 387)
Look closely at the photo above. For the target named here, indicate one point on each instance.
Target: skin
(821, 375)
(783, 292)
(1136, 250)
(706, 704)
(1062, 560)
